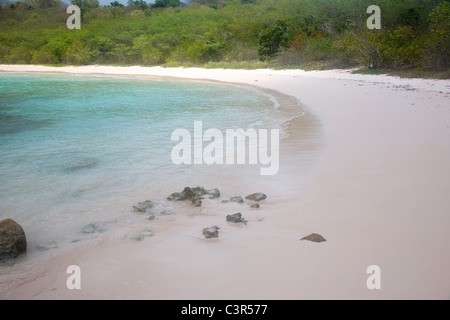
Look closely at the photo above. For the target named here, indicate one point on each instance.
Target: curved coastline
(236, 177)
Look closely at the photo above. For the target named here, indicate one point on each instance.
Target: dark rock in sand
(152, 217)
(259, 196)
(236, 218)
(47, 246)
(225, 201)
(90, 228)
(213, 193)
(81, 163)
(255, 206)
(237, 199)
(314, 237)
(211, 233)
(141, 235)
(12, 239)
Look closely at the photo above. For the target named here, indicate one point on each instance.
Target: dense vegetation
(287, 33)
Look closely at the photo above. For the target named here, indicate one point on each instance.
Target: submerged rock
(176, 196)
(12, 239)
(152, 217)
(141, 235)
(81, 163)
(138, 209)
(255, 206)
(146, 204)
(214, 193)
(314, 237)
(225, 201)
(47, 246)
(236, 218)
(90, 228)
(167, 213)
(237, 199)
(143, 206)
(211, 233)
(259, 196)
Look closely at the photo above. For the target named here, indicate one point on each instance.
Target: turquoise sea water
(122, 126)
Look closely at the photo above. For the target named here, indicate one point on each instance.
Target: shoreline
(377, 193)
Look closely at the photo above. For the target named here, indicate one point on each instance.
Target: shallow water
(76, 150)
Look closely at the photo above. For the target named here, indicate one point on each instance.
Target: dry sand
(376, 189)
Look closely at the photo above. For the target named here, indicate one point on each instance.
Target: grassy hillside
(415, 34)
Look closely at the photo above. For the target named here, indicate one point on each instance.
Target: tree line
(279, 33)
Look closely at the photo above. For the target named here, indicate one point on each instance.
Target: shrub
(272, 39)
(437, 53)
(77, 54)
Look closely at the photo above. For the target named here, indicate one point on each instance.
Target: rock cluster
(195, 195)
(13, 240)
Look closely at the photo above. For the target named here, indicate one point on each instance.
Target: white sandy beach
(377, 190)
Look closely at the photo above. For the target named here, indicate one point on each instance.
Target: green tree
(272, 39)
(47, 3)
(85, 5)
(167, 3)
(116, 4)
(215, 4)
(44, 55)
(138, 4)
(77, 54)
(365, 46)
